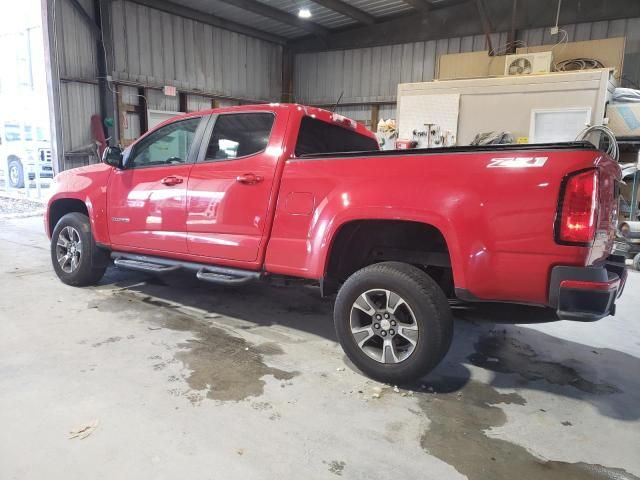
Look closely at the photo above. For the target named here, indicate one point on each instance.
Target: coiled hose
(612, 145)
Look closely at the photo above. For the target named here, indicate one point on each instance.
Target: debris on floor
(18, 207)
(83, 431)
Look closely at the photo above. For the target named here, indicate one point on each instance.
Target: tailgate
(609, 176)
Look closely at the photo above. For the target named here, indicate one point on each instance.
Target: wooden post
(375, 116)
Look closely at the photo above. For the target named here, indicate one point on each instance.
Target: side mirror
(113, 156)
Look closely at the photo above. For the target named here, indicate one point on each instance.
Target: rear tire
(406, 329)
(76, 258)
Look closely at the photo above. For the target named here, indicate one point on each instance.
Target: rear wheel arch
(359, 243)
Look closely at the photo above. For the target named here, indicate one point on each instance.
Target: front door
(147, 199)
(230, 187)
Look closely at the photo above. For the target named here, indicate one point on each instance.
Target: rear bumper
(587, 294)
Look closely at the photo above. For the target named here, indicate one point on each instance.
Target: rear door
(231, 186)
(147, 199)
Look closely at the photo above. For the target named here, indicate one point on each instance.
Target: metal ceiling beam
(279, 15)
(347, 10)
(93, 27)
(447, 20)
(199, 16)
(421, 5)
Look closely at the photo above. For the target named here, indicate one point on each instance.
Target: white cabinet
(507, 103)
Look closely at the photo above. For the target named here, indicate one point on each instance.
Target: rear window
(316, 136)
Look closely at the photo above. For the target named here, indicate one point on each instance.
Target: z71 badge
(517, 162)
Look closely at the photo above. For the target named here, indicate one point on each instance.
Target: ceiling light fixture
(304, 13)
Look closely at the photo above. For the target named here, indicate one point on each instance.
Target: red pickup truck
(253, 192)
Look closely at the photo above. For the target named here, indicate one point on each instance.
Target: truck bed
(481, 212)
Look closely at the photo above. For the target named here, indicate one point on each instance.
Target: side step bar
(204, 272)
(140, 266)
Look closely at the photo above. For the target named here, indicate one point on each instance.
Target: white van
(24, 148)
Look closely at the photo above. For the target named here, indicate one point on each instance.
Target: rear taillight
(577, 215)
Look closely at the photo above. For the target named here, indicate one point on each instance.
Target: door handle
(171, 181)
(249, 178)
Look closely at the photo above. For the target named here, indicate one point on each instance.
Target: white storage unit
(508, 103)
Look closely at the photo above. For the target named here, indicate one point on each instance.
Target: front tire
(393, 322)
(76, 258)
(636, 262)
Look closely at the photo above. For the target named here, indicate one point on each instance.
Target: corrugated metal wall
(156, 48)
(629, 28)
(79, 101)
(371, 75)
(76, 53)
(153, 49)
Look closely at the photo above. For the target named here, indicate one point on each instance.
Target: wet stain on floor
(336, 467)
(456, 435)
(222, 366)
(108, 340)
(505, 354)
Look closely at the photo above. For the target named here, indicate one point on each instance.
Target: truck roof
(301, 110)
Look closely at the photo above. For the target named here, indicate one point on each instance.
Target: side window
(169, 145)
(238, 135)
(316, 136)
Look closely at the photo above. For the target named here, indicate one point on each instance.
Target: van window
(316, 136)
(11, 132)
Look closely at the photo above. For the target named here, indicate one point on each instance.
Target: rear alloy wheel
(393, 322)
(384, 326)
(76, 258)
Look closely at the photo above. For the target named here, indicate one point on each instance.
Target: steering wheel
(172, 160)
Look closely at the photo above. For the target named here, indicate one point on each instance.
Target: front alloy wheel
(76, 258)
(69, 249)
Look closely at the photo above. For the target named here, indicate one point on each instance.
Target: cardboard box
(609, 51)
(624, 119)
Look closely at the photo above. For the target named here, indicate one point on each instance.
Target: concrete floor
(189, 380)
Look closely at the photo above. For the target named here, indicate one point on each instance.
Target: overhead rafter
(213, 20)
(93, 27)
(348, 10)
(421, 5)
(453, 19)
(279, 15)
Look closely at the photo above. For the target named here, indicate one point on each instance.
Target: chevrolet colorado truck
(245, 193)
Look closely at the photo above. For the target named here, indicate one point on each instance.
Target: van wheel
(16, 173)
(393, 322)
(76, 259)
